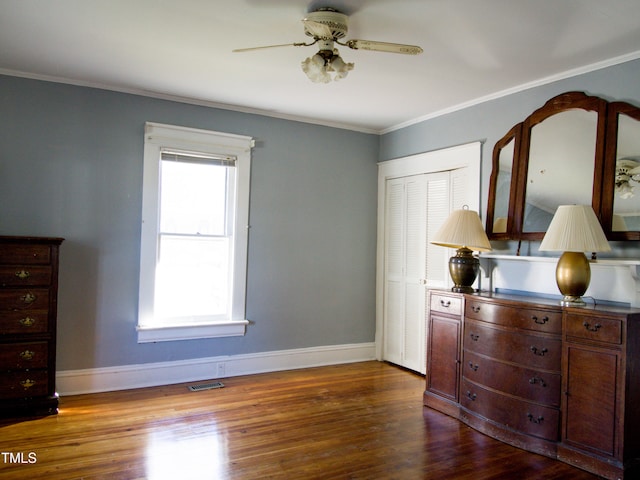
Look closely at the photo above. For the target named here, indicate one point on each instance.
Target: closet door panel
(438, 209)
(396, 238)
(415, 228)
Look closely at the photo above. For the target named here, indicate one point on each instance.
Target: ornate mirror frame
(496, 186)
(605, 118)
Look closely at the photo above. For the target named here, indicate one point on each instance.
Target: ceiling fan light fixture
(339, 66)
(315, 68)
(320, 67)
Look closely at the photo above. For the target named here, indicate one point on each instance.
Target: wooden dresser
(560, 381)
(28, 311)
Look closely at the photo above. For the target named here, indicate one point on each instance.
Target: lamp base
(463, 268)
(571, 301)
(462, 289)
(573, 275)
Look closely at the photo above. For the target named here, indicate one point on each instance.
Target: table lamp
(463, 230)
(574, 229)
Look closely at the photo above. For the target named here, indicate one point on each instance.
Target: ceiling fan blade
(317, 29)
(301, 44)
(384, 47)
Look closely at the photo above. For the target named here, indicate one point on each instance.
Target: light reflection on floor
(169, 456)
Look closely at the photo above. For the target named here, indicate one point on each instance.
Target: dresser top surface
(545, 302)
(4, 239)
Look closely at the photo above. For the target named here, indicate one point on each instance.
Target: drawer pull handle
(537, 420)
(27, 384)
(22, 274)
(537, 380)
(588, 326)
(471, 396)
(27, 322)
(28, 298)
(445, 304)
(473, 367)
(539, 352)
(540, 321)
(27, 355)
(475, 308)
(474, 336)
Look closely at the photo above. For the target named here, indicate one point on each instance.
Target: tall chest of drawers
(560, 381)
(28, 314)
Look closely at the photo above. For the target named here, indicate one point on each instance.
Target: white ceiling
(181, 49)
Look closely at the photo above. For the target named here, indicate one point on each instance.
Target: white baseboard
(94, 380)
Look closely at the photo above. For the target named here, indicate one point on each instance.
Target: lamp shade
(575, 228)
(463, 228)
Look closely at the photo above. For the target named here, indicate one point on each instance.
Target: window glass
(193, 198)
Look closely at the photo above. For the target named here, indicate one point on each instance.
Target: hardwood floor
(356, 421)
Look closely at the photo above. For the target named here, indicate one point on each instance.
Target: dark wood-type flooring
(356, 421)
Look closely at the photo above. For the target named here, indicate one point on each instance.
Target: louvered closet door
(415, 207)
(397, 239)
(414, 268)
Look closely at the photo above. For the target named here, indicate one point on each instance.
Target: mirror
(501, 181)
(563, 153)
(626, 199)
(560, 167)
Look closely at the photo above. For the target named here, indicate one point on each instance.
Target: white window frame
(158, 137)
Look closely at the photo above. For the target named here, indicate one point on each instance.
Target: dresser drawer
(541, 320)
(24, 299)
(21, 322)
(534, 351)
(537, 386)
(24, 384)
(22, 356)
(446, 303)
(606, 330)
(19, 254)
(515, 414)
(25, 275)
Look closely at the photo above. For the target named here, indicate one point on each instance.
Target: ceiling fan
(327, 26)
(627, 170)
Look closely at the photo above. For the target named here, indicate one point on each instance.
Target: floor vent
(205, 386)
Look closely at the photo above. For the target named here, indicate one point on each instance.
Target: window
(193, 245)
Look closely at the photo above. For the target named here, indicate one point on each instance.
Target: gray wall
(71, 166)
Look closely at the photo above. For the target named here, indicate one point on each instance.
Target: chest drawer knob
(27, 355)
(536, 420)
(473, 366)
(591, 328)
(23, 274)
(538, 381)
(474, 336)
(445, 303)
(471, 396)
(28, 298)
(538, 351)
(27, 322)
(27, 384)
(540, 321)
(475, 308)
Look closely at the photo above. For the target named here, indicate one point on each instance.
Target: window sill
(231, 328)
